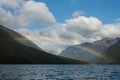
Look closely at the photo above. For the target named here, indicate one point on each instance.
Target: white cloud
(110, 30)
(11, 3)
(83, 25)
(24, 13)
(117, 20)
(6, 18)
(76, 14)
(38, 11)
(34, 11)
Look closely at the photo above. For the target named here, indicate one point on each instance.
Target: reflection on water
(59, 72)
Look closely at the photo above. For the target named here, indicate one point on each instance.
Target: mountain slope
(16, 36)
(114, 52)
(14, 51)
(74, 52)
(101, 45)
(81, 51)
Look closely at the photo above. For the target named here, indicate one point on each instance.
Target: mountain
(114, 52)
(17, 49)
(101, 45)
(90, 52)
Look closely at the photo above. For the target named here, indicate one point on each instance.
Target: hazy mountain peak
(99, 46)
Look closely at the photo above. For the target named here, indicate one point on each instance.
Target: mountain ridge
(80, 52)
(14, 52)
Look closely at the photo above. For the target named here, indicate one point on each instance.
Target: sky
(105, 10)
(53, 25)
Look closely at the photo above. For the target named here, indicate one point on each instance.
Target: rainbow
(95, 52)
(89, 50)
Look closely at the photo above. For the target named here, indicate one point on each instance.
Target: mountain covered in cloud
(100, 51)
(16, 49)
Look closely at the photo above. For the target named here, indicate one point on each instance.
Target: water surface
(59, 72)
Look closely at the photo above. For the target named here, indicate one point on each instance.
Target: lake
(59, 72)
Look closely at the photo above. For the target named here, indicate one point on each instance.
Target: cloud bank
(22, 13)
(55, 37)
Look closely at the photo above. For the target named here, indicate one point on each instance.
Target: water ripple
(59, 72)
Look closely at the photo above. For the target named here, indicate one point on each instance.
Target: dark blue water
(59, 72)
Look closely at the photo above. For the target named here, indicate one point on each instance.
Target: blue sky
(105, 10)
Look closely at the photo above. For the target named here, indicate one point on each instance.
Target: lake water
(59, 72)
